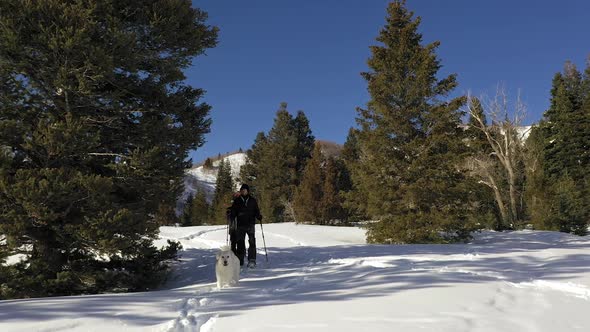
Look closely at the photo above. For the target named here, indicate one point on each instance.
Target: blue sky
(309, 53)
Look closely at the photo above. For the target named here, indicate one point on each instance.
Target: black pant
(233, 242)
(240, 240)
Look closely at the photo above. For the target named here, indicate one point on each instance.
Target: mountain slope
(201, 178)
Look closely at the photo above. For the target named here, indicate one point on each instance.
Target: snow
(199, 178)
(321, 278)
(523, 132)
(15, 259)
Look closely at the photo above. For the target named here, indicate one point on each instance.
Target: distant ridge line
(218, 157)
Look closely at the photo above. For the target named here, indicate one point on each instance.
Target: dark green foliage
(166, 215)
(567, 128)
(331, 202)
(568, 209)
(559, 188)
(305, 143)
(410, 141)
(309, 193)
(186, 219)
(250, 170)
(277, 175)
(354, 202)
(318, 196)
(208, 164)
(200, 209)
(95, 128)
(275, 162)
(224, 188)
(196, 210)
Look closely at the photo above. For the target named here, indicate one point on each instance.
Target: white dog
(227, 268)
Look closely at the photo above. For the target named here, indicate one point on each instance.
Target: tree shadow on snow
(335, 273)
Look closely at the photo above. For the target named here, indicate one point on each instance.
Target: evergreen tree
(568, 207)
(96, 124)
(565, 175)
(166, 215)
(330, 203)
(187, 211)
(354, 203)
(566, 149)
(200, 209)
(208, 164)
(249, 171)
(277, 168)
(308, 197)
(224, 188)
(273, 162)
(305, 143)
(410, 141)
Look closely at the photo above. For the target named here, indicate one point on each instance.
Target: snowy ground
(327, 279)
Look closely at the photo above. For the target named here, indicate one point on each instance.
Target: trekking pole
(264, 242)
(229, 225)
(227, 233)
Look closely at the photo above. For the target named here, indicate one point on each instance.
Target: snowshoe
(251, 264)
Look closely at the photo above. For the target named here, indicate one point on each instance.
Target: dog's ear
(217, 256)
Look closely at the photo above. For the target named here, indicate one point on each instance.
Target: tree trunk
(499, 202)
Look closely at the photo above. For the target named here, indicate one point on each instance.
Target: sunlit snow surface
(321, 278)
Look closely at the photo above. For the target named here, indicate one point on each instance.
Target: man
(245, 210)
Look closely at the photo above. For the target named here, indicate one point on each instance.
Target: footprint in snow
(189, 320)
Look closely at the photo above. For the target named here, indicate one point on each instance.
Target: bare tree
(505, 143)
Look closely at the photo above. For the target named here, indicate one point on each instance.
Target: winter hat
(245, 186)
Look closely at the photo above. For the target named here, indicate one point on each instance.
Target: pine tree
(273, 162)
(564, 126)
(224, 188)
(187, 212)
(305, 143)
(308, 196)
(565, 176)
(354, 203)
(96, 123)
(208, 164)
(278, 173)
(568, 207)
(249, 171)
(200, 209)
(166, 215)
(410, 141)
(330, 203)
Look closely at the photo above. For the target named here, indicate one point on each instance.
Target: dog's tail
(225, 248)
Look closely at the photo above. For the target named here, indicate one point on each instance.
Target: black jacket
(246, 210)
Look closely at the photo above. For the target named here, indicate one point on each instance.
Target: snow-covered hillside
(204, 179)
(321, 278)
